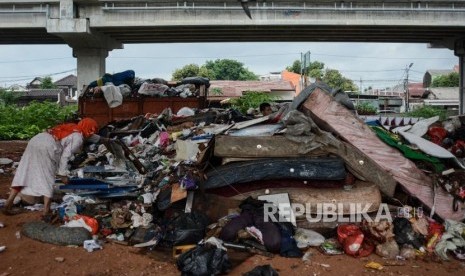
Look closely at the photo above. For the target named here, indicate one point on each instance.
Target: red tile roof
(416, 90)
(293, 78)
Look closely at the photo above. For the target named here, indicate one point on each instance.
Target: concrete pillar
(90, 65)
(459, 51)
(461, 83)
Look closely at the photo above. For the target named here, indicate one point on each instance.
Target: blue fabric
(125, 77)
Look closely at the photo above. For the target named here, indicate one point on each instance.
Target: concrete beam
(77, 33)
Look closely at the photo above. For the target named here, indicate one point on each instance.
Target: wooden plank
(252, 122)
(260, 147)
(331, 116)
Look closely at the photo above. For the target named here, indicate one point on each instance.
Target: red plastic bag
(437, 134)
(352, 240)
(89, 221)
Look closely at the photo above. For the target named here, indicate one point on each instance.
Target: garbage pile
(208, 182)
(116, 87)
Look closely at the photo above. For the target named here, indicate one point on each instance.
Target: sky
(379, 65)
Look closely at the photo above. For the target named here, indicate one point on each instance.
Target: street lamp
(407, 94)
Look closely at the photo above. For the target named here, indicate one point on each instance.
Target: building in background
(69, 86)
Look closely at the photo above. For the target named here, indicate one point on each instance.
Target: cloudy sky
(375, 64)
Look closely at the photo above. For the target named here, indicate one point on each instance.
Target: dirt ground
(24, 256)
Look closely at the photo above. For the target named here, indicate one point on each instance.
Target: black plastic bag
(404, 233)
(204, 260)
(262, 270)
(188, 228)
(289, 247)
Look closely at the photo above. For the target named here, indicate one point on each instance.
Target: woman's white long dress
(42, 160)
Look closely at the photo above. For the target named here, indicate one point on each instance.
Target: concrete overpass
(94, 27)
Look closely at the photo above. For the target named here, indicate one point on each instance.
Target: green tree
(7, 97)
(334, 79)
(315, 69)
(295, 67)
(450, 80)
(191, 70)
(47, 83)
(227, 69)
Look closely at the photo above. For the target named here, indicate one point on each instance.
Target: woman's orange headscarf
(86, 126)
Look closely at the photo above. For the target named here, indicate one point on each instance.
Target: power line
(33, 60)
(22, 78)
(364, 71)
(373, 57)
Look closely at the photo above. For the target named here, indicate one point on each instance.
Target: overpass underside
(438, 22)
(94, 27)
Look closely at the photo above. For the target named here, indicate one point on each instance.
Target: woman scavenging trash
(47, 155)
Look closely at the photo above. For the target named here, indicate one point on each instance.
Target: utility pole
(301, 71)
(305, 63)
(361, 86)
(406, 90)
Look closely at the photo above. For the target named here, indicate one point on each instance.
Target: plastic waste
(2, 248)
(407, 252)
(404, 233)
(306, 237)
(352, 240)
(389, 249)
(452, 239)
(91, 245)
(189, 228)
(331, 247)
(71, 210)
(204, 259)
(185, 111)
(306, 257)
(262, 270)
(374, 265)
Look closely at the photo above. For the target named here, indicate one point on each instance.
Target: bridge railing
(396, 5)
(43, 6)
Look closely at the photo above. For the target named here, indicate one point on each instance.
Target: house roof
(70, 80)
(293, 78)
(40, 79)
(445, 93)
(416, 90)
(438, 72)
(235, 89)
(40, 92)
(16, 88)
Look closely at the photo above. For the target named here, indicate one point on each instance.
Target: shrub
(25, 122)
(428, 112)
(251, 100)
